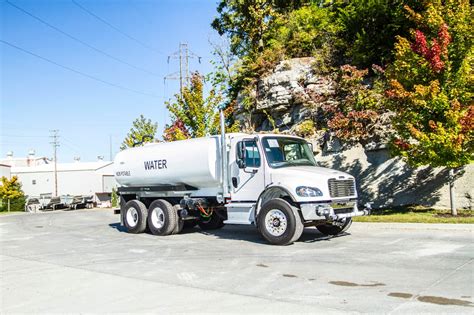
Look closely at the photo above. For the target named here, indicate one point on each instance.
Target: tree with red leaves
(431, 87)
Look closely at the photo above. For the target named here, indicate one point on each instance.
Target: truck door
(247, 171)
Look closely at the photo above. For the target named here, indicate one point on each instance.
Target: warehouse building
(36, 175)
(5, 171)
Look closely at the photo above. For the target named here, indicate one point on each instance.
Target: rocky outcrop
(294, 93)
(291, 94)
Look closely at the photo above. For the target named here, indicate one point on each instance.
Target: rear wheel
(162, 218)
(180, 222)
(135, 216)
(336, 228)
(279, 222)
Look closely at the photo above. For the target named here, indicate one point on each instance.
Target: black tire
(331, 229)
(214, 222)
(180, 222)
(162, 218)
(134, 216)
(279, 222)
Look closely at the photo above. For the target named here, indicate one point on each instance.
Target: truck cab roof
(238, 135)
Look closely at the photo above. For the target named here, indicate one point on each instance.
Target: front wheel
(336, 227)
(279, 222)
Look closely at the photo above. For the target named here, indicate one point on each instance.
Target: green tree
(142, 131)
(10, 190)
(114, 198)
(369, 28)
(304, 31)
(245, 22)
(192, 114)
(431, 87)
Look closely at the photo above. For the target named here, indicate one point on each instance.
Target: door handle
(234, 182)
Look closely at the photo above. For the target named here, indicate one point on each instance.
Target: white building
(36, 175)
(80, 178)
(5, 171)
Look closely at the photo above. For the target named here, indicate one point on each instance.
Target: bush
(357, 117)
(10, 189)
(16, 204)
(306, 128)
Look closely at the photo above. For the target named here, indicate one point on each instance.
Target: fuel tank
(195, 162)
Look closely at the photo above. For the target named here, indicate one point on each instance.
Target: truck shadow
(118, 227)
(247, 233)
(312, 235)
(250, 234)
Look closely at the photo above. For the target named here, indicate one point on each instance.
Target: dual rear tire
(135, 216)
(161, 217)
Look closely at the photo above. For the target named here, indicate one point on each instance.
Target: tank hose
(203, 212)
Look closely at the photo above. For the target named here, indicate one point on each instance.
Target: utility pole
(183, 54)
(55, 143)
(110, 147)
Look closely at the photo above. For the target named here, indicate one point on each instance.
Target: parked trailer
(81, 202)
(269, 180)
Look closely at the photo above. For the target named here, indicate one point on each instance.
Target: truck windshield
(283, 152)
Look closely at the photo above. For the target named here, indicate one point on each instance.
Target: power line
(116, 28)
(79, 40)
(77, 71)
(23, 136)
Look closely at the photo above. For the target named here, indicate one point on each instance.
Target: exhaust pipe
(225, 186)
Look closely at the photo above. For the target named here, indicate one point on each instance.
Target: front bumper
(332, 211)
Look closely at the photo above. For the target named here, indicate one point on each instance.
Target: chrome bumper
(332, 211)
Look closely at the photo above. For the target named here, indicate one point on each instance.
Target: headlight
(304, 191)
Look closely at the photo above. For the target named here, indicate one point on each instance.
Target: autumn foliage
(431, 87)
(357, 115)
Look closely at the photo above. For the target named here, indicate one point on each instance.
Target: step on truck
(269, 180)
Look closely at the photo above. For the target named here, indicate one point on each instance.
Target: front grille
(341, 188)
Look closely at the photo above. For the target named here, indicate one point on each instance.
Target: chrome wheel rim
(132, 217)
(276, 222)
(158, 218)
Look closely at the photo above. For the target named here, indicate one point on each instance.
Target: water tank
(193, 162)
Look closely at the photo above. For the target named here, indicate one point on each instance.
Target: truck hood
(315, 173)
(312, 176)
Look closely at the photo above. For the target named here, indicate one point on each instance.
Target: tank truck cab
(275, 183)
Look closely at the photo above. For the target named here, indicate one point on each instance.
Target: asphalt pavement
(82, 261)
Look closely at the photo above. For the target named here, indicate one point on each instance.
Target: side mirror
(241, 155)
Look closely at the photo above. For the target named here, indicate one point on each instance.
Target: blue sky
(37, 96)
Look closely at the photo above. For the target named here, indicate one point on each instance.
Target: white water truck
(271, 181)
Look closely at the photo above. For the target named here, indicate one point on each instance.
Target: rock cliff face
(293, 94)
